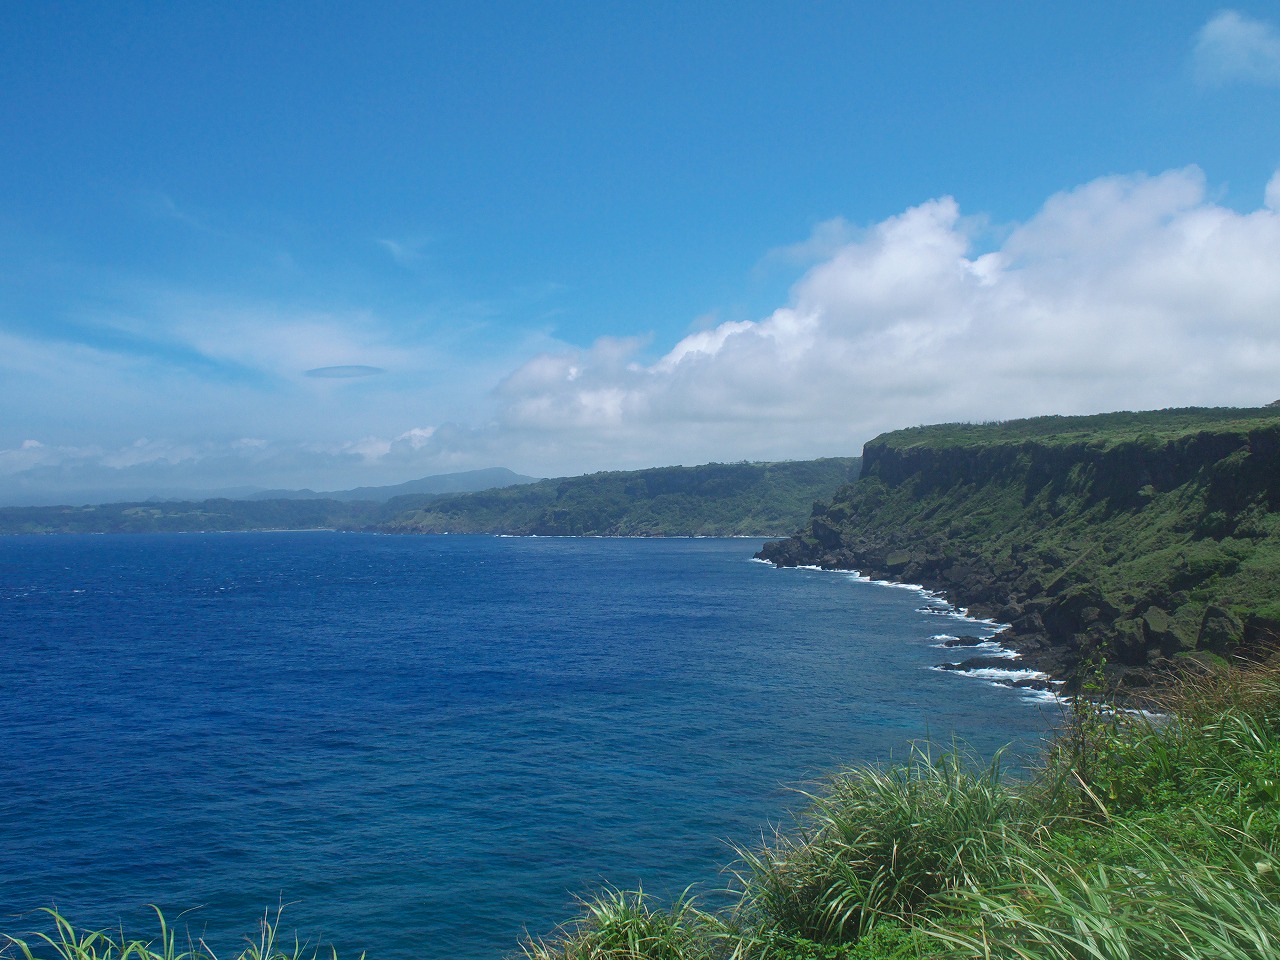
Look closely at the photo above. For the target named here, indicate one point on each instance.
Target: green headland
(1126, 541)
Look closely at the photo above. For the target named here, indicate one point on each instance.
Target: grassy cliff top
(1103, 430)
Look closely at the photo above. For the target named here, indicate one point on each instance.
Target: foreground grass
(1140, 837)
(64, 942)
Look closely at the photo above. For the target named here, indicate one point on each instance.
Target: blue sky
(326, 245)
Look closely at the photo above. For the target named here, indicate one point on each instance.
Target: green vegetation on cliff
(1137, 538)
(1101, 429)
(716, 499)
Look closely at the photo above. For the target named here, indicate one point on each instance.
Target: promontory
(1126, 544)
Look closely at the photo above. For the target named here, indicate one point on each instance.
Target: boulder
(1130, 643)
(965, 641)
(895, 560)
(1221, 631)
(1160, 631)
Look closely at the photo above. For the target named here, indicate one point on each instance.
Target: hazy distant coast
(716, 499)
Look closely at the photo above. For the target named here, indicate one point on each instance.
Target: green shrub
(622, 925)
(877, 844)
(888, 941)
(1214, 748)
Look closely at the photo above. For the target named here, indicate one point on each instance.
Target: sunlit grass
(621, 925)
(66, 942)
(1148, 900)
(881, 843)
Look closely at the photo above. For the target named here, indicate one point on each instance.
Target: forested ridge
(716, 499)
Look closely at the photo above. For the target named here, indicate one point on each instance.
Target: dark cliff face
(1144, 551)
(1117, 473)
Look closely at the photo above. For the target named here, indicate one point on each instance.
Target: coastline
(994, 656)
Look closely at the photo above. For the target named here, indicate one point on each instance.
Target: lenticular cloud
(1125, 293)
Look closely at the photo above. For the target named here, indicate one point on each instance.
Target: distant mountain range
(468, 481)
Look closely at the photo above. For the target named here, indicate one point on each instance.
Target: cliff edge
(1132, 542)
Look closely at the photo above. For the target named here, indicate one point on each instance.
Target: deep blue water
(430, 743)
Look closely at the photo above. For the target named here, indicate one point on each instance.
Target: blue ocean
(426, 746)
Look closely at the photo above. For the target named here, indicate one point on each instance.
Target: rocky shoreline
(1122, 550)
(1060, 642)
(1050, 654)
(1007, 667)
(995, 657)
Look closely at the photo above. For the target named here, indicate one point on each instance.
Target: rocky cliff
(1135, 542)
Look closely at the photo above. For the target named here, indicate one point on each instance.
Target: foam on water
(939, 606)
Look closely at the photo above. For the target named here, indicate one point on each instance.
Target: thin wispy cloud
(405, 252)
(161, 205)
(286, 342)
(344, 372)
(826, 237)
(1236, 49)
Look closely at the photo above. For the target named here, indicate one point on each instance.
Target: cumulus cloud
(1233, 48)
(825, 239)
(1127, 292)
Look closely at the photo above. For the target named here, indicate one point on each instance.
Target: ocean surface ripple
(427, 745)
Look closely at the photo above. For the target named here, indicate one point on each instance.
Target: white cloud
(285, 343)
(825, 239)
(1128, 292)
(1272, 195)
(416, 437)
(1233, 48)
